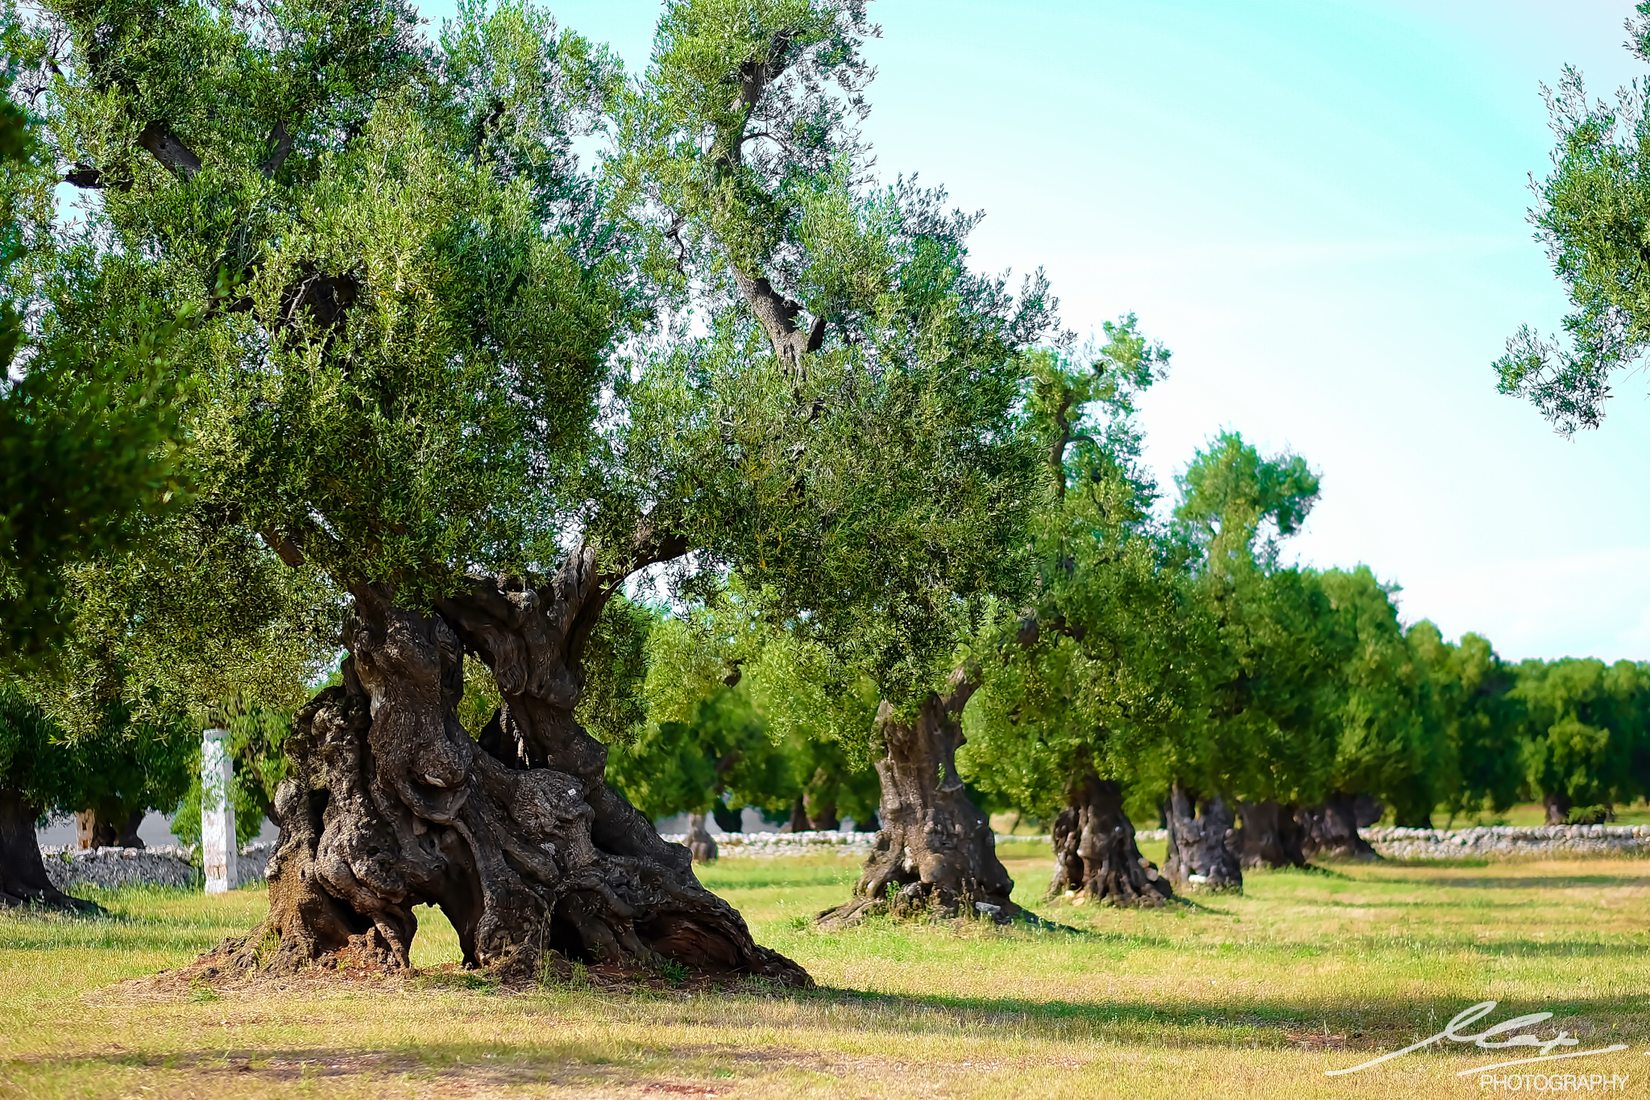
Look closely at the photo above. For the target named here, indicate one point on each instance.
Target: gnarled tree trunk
(700, 844)
(535, 860)
(95, 828)
(936, 854)
(1558, 807)
(23, 879)
(1269, 835)
(1095, 856)
(1202, 843)
(1331, 830)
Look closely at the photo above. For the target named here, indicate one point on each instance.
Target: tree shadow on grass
(1236, 1022)
(836, 1032)
(433, 1067)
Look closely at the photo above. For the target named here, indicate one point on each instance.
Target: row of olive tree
(1173, 665)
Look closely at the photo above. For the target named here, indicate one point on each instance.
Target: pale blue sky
(1319, 206)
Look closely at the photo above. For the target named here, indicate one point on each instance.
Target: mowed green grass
(1256, 995)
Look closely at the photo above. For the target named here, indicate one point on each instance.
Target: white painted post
(217, 812)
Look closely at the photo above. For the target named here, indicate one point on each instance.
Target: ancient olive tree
(1236, 506)
(1580, 730)
(1381, 747)
(439, 365)
(1291, 652)
(863, 304)
(411, 298)
(1090, 678)
(107, 776)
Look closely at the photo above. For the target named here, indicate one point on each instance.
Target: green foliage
(1268, 660)
(404, 317)
(1382, 748)
(1583, 729)
(1471, 721)
(869, 381)
(1239, 506)
(121, 766)
(733, 719)
(1095, 676)
(88, 413)
(1592, 213)
(433, 336)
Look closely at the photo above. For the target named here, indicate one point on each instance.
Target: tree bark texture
(1095, 855)
(23, 879)
(1269, 835)
(1331, 830)
(516, 835)
(936, 854)
(1202, 843)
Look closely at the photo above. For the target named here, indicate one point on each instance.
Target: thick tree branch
(280, 145)
(165, 147)
(776, 313)
(960, 686)
(1062, 440)
(284, 548)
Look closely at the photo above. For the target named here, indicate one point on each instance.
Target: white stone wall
(109, 868)
(1479, 842)
(176, 866)
(1494, 841)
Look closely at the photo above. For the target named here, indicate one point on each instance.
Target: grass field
(1256, 995)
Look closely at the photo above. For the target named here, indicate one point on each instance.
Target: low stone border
(785, 844)
(109, 868)
(1484, 841)
(815, 843)
(1508, 840)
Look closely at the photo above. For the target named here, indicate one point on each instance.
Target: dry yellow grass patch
(1235, 996)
